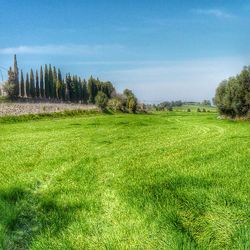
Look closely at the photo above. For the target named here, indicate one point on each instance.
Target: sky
(160, 49)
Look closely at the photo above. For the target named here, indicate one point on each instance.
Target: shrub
(169, 108)
(204, 110)
(101, 100)
(198, 110)
(132, 104)
(188, 110)
(9, 89)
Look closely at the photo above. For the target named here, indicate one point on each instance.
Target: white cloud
(82, 49)
(213, 12)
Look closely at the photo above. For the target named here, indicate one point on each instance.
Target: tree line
(49, 84)
(233, 95)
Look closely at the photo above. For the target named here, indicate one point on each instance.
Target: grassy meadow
(174, 180)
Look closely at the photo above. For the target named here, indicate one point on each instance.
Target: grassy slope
(165, 181)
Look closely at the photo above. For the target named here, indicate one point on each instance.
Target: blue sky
(162, 50)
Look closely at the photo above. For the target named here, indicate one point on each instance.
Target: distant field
(160, 181)
(195, 107)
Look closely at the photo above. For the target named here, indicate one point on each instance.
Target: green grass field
(159, 181)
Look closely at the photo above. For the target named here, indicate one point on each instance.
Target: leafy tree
(131, 100)
(9, 89)
(233, 95)
(101, 100)
(10, 85)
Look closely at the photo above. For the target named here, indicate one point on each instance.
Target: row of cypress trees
(49, 84)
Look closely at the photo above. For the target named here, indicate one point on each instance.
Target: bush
(115, 104)
(188, 110)
(101, 100)
(204, 110)
(131, 100)
(169, 108)
(9, 89)
(198, 110)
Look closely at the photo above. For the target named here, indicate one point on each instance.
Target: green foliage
(10, 85)
(37, 85)
(27, 85)
(9, 88)
(46, 81)
(131, 100)
(42, 92)
(101, 100)
(233, 95)
(22, 85)
(32, 84)
(50, 84)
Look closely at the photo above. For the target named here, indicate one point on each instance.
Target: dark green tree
(92, 89)
(37, 85)
(51, 87)
(22, 85)
(46, 81)
(27, 85)
(32, 84)
(16, 78)
(85, 96)
(60, 86)
(42, 93)
(55, 84)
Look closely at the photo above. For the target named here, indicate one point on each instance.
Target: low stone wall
(39, 108)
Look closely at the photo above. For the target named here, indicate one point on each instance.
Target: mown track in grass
(163, 181)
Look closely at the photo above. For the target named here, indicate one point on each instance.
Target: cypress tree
(59, 85)
(32, 84)
(22, 85)
(55, 84)
(85, 91)
(27, 85)
(51, 89)
(69, 87)
(92, 89)
(37, 85)
(46, 81)
(42, 92)
(17, 91)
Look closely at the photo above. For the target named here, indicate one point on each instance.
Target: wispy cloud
(81, 49)
(213, 12)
